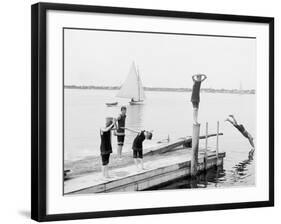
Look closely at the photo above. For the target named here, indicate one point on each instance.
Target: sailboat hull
(136, 102)
(111, 104)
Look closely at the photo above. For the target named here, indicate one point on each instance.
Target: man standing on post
(195, 97)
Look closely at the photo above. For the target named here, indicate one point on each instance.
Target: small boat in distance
(111, 104)
(132, 87)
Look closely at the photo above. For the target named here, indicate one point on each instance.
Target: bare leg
(136, 163)
(251, 140)
(141, 164)
(195, 115)
(119, 151)
(105, 174)
(106, 171)
(252, 143)
(103, 171)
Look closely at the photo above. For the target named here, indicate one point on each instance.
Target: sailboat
(132, 87)
(111, 104)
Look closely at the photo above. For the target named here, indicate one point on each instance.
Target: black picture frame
(39, 108)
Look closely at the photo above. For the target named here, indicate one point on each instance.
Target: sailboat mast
(138, 80)
(138, 84)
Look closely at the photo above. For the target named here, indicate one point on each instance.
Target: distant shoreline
(166, 89)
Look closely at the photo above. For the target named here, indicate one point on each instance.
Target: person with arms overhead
(105, 146)
(195, 96)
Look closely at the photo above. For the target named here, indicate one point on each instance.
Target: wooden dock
(173, 145)
(159, 168)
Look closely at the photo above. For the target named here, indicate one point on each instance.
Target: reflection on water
(214, 177)
(135, 117)
(240, 171)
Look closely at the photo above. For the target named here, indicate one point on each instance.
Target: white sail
(132, 87)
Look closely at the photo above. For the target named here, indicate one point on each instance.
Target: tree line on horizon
(170, 89)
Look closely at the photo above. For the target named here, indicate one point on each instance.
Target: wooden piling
(195, 146)
(217, 145)
(206, 148)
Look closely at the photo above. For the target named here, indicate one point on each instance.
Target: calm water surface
(167, 114)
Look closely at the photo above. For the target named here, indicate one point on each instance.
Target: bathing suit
(121, 131)
(137, 145)
(105, 146)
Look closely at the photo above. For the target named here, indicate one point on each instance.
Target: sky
(103, 58)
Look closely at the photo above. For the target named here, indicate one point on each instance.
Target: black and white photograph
(140, 111)
(146, 111)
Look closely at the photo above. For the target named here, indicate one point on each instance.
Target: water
(167, 114)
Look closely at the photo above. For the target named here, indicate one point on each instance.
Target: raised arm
(118, 118)
(193, 78)
(129, 129)
(203, 78)
(109, 127)
(230, 121)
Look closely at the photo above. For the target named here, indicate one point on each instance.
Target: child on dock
(138, 148)
(195, 96)
(105, 146)
(243, 131)
(120, 132)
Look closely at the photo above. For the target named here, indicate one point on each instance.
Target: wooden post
(195, 99)
(217, 145)
(195, 145)
(206, 148)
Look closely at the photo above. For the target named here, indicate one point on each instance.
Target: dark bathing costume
(105, 146)
(241, 128)
(137, 145)
(121, 126)
(195, 97)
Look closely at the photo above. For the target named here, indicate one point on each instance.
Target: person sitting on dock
(120, 132)
(138, 148)
(195, 96)
(105, 146)
(242, 130)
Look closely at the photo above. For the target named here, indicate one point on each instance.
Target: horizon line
(158, 87)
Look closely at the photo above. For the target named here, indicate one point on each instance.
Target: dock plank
(158, 169)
